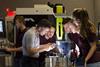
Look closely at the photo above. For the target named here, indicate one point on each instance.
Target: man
(50, 37)
(31, 44)
(71, 32)
(21, 29)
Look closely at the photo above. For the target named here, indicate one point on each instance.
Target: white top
(30, 40)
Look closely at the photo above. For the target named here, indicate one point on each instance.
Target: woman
(71, 36)
(87, 33)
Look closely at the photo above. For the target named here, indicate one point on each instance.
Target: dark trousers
(16, 62)
(29, 62)
(42, 63)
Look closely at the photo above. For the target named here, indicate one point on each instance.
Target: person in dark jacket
(84, 35)
(21, 29)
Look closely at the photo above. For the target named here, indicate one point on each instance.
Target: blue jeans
(80, 66)
(97, 64)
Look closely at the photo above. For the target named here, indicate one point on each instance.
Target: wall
(97, 11)
(69, 4)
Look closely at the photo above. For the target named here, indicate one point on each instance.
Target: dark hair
(66, 20)
(82, 15)
(44, 23)
(20, 19)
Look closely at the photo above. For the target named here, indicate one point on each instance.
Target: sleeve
(92, 37)
(30, 41)
(92, 34)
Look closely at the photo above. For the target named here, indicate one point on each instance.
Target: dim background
(93, 6)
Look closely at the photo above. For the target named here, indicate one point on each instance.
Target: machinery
(32, 16)
(4, 55)
(54, 14)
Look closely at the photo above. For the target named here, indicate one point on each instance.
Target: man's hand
(8, 49)
(13, 49)
(49, 47)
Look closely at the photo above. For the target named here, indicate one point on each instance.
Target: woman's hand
(85, 64)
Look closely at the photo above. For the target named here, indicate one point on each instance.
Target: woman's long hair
(82, 15)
